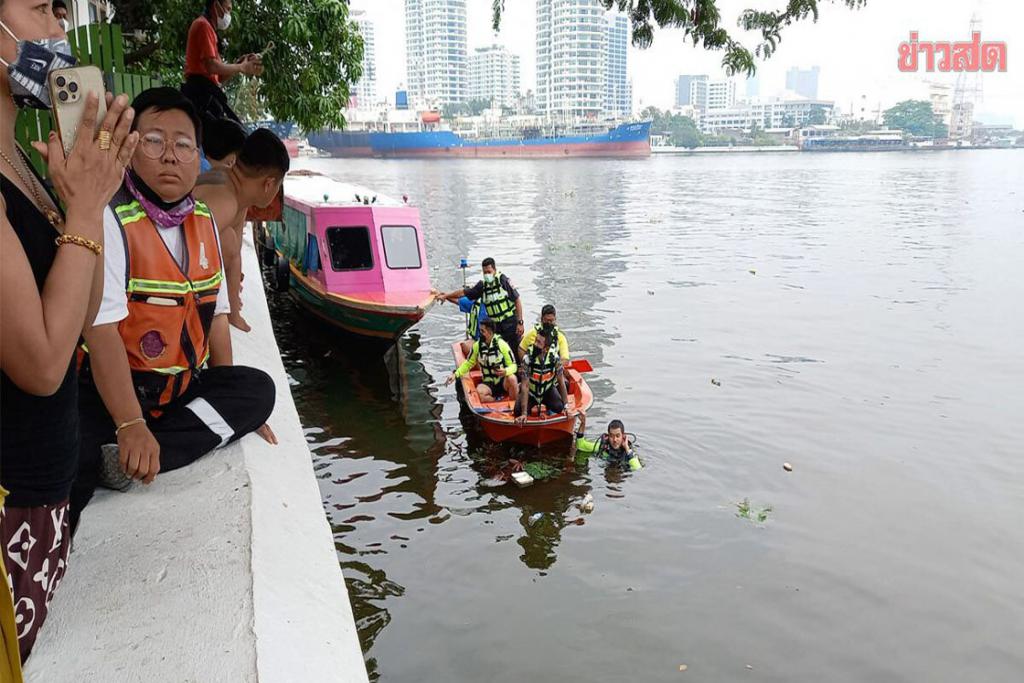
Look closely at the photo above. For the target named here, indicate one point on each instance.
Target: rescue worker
(613, 446)
(157, 377)
(542, 380)
(475, 313)
(497, 365)
(548, 323)
(500, 299)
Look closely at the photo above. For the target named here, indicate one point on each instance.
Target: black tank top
(38, 434)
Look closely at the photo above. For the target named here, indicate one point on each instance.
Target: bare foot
(238, 321)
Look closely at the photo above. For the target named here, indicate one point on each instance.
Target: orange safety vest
(170, 307)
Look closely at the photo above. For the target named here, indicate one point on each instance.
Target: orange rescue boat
(497, 418)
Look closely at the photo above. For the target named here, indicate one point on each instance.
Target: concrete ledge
(223, 571)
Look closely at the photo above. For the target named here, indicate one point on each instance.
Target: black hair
(488, 323)
(165, 99)
(58, 3)
(263, 153)
(548, 309)
(222, 137)
(208, 12)
(489, 261)
(616, 424)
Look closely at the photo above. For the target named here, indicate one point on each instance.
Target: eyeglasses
(153, 146)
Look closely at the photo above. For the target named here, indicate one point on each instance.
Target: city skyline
(856, 50)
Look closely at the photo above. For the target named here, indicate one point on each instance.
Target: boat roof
(315, 189)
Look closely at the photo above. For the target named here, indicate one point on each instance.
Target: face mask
(30, 69)
(224, 22)
(65, 25)
(488, 278)
(164, 216)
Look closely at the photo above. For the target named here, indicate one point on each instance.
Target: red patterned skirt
(36, 542)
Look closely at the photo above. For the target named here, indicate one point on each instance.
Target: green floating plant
(540, 470)
(746, 511)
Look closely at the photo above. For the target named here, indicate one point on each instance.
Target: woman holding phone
(51, 276)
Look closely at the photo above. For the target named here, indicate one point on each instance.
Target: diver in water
(613, 446)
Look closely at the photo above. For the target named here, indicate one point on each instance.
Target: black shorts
(552, 400)
(497, 390)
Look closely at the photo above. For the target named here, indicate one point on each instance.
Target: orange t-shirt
(202, 45)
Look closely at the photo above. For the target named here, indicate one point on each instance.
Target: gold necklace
(52, 216)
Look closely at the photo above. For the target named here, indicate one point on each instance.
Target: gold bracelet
(91, 245)
(129, 423)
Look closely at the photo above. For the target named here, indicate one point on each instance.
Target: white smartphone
(68, 90)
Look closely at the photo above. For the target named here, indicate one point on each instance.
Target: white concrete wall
(222, 571)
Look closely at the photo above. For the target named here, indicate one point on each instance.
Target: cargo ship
(622, 140)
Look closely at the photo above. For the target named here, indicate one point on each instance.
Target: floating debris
(650, 292)
(683, 667)
(522, 478)
(541, 470)
(746, 511)
(535, 517)
(752, 272)
(587, 504)
(716, 382)
(494, 482)
(786, 466)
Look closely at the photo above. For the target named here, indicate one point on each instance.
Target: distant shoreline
(777, 149)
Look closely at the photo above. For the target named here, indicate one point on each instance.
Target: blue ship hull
(624, 140)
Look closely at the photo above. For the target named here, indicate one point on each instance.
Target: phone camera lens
(62, 96)
(61, 81)
(72, 86)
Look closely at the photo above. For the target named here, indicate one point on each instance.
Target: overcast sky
(856, 50)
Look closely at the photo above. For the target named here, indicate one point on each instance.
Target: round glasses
(153, 146)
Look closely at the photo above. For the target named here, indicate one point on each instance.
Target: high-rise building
(803, 82)
(618, 93)
(435, 51)
(494, 76)
(721, 94)
(685, 90)
(753, 86)
(571, 44)
(365, 89)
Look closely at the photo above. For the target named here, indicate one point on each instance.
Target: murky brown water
(863, 316)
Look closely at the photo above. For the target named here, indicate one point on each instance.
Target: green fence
(101, 45)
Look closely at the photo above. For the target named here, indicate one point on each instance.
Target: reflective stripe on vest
(496, 300)
(492, 361)
(170, 306)
(542, 374)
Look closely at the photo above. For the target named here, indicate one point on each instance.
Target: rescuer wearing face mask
(501, 301)
(548, 324)
(204, 69)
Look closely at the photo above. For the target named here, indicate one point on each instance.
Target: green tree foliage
(473, 107)
(701, 23)
(915, 117)
(317, 53)
(682, 130)
(816, 117)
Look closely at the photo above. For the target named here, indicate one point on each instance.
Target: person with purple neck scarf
(157, 387)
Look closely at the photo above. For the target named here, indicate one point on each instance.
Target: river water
(861, 315)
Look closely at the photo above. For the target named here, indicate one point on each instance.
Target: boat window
(401, 248)
(350, 248)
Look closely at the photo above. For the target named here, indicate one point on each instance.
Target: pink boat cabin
(353, 257)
